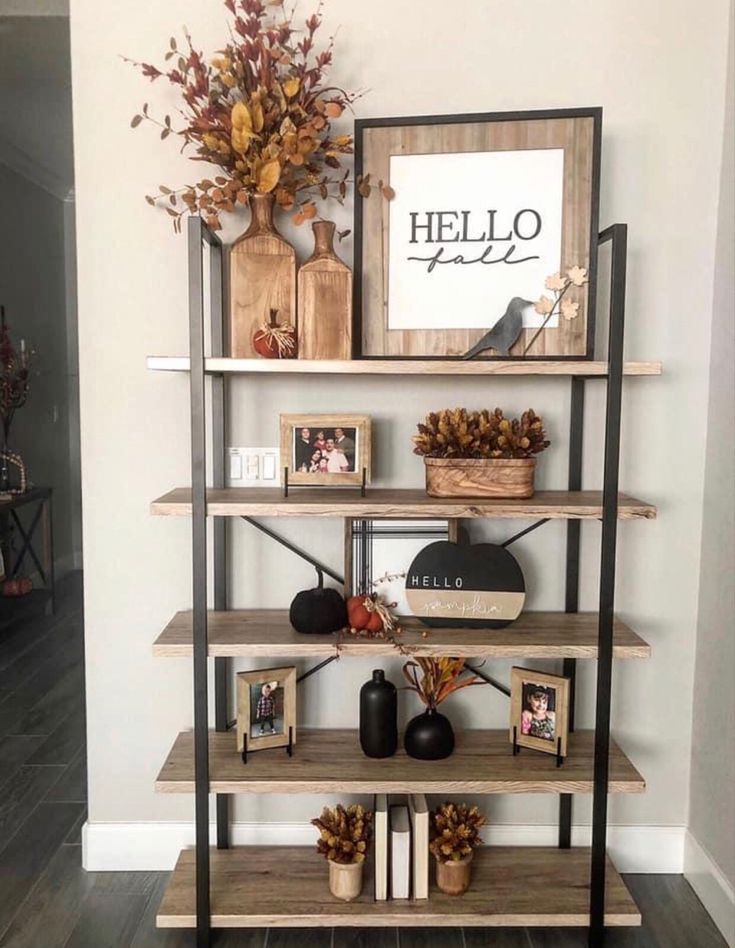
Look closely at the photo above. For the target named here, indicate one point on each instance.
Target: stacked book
(401, 833)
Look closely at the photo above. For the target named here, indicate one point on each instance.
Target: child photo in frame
(325, 450)
(266, 708)
(539, 711)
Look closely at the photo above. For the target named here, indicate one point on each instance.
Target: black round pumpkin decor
(462, 586)
(318, 611)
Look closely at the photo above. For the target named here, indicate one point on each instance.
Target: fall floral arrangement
(14, 375)
(344, 833)
(455, 831)
(439, 678)
(459, 433)
(261, 110)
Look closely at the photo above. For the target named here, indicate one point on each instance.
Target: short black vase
(429, 736)
(378, 716)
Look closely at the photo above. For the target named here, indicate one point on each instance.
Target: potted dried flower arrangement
(344, 835)
(480, 453)
(455, 834)
(429, 736)
(259, 111)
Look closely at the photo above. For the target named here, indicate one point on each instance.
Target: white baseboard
(712, 888)
(156, 846)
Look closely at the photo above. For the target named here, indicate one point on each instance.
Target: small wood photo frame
(485, 208)
(539, 710)
(266, 708)
(326, 450)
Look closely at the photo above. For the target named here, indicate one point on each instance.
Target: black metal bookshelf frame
(199, 235)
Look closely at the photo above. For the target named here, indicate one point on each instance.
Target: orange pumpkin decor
(367, 613)
(19, 586)
(274, 340)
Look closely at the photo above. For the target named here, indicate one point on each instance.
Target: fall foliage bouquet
(261, 110)
(438, 678)
(455, 831)
(344, 833)
(458, 433)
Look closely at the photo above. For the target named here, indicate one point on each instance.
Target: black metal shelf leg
(199, 579)
(219, 449)
(571, 604)
(618, 234)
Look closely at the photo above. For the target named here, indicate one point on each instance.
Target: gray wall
(658, 69)
(712, 808)
(33, 287)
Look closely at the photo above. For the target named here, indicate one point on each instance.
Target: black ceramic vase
(429, 736)
(378, 716)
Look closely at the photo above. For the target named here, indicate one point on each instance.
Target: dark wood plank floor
(48, 901)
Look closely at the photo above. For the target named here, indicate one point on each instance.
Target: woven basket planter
(480, 477)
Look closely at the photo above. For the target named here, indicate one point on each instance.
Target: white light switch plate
(253, 467)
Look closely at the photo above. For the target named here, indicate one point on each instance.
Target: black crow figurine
(504, 333)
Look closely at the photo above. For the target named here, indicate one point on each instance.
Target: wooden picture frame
(298, 452)
(250, 688)
(446, 166)
(523, 681)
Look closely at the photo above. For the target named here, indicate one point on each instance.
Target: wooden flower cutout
(544, 306)
(569, 310)
(577, 275)
(555, 282)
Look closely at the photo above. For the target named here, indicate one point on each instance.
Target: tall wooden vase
(262, 278)
(325, 300)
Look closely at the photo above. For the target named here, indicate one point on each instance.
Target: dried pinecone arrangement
(344, 834)
(458, 433)
(455, 831)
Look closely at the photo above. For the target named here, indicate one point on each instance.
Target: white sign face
(470, 231)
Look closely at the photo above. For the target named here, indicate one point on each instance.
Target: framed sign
(489, 214)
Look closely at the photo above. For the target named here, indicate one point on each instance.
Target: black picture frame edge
(593, 112)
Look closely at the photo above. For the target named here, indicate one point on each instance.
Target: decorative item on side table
(483, 207)
(266, 709)
(344, 836)
(318, 611)
(457, 585)
(455, 834)
(14, 385)
(480, 453)
(539, 712)
(378, 716)
(324, 300)
(260, 111)
(325, 450)
(429, 736)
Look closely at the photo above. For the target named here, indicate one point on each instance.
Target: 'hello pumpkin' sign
(455, 585)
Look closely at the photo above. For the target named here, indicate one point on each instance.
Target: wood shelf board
(331, 761)
(558, 367)
(393, 503)
(275, 886)
(268, 633)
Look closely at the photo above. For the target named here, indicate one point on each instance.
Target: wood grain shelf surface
(560, 367)
(394, 503)
(268, 633)
(280, 887)
(331, 761)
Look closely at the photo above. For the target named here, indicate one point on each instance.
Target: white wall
(33, 288)
(711, 856)
(658, 69)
